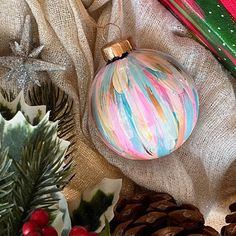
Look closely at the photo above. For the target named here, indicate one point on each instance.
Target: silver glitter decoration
(24, 65)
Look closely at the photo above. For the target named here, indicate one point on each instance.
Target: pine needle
(60, 106)
(38, 175)
(58, 103)
(6, 189)
(42, 171)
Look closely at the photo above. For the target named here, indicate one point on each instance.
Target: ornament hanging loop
(107, 25)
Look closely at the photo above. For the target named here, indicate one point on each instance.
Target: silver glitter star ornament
(24, 65)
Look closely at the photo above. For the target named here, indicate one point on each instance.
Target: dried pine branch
(8, 95)
(58, 103)
(60, 106)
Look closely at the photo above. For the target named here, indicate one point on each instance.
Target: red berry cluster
(81, 231)
(38, 225)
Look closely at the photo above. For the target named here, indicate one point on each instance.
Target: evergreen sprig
(41, 169)
(38, 175)
(6, 189)
(56, 101)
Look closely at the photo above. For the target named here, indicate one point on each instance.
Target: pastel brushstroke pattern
(143, 105)
(213, 22)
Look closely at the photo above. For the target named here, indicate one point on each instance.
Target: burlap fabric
(201, 171)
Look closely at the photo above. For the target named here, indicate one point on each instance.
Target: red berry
(93, 234)
(29, 227)
(34, 233)
(79, 231)
(49, 231)
(40, 216)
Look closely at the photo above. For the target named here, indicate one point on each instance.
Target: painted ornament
(142, 102)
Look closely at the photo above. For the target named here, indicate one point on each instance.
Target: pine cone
(157, 214)
(230, 229)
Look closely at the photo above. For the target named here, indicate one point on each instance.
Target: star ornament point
(25, 64)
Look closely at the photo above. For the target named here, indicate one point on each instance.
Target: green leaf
(62, 222)
(17, 133)
(89, 213)
(8, 109)
(41, 165)
(38, 157)
(106, 231)
(97, 204)
(47, 97)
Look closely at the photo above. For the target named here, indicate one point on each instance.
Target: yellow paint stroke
(181, 120)
(156, 104)
(155, 62)
(120, 80)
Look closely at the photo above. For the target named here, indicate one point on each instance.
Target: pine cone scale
(232, 207)
(163, 206)
(157, 214)
(168, 231)
(130, 211)
(188, 219)
(136, 231)
(230, 229)
(209, 231)
(153, 218)
(231, 218)
(121, 228)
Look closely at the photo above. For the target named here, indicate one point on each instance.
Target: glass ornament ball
(142, 103)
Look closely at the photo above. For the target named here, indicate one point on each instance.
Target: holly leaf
(106, 231)
(38, 163)
(89, 213)
(33, 114)
(18, 133)
(62, 222)
(97, 205)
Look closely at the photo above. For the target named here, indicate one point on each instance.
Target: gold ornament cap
(116, 49)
